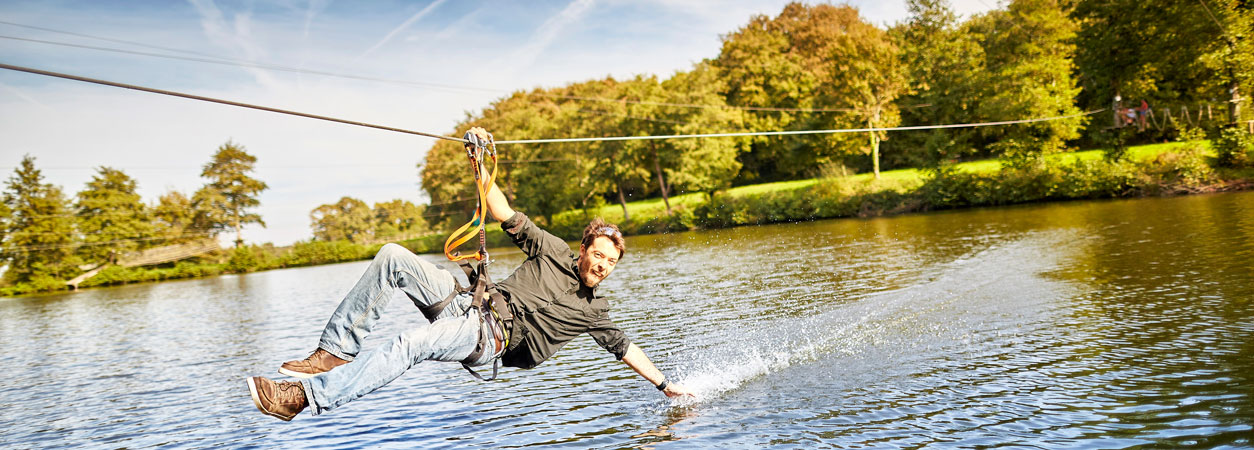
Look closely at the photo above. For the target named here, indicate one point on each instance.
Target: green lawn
(900, 180)
(1140, 152)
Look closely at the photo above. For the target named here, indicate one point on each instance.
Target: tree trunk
(875, 147)
(661, 182)
(622, 200)
(1234, 107)
(1114, 108)
(239, 233)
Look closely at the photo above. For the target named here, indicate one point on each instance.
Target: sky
(440, 61)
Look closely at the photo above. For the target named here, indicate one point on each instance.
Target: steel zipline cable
(531, 141)
(221, 101)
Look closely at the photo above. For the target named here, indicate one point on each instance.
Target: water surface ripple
(1080, 325)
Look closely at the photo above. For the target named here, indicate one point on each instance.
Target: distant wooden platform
(152, 256)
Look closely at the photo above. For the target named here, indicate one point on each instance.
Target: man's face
(596, 261)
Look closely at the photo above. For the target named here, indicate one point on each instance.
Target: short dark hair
(599, 227)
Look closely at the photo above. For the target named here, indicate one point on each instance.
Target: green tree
(762, 69)
(348, 219)
(1232, 56)
(945, 64)
(448, 181)
(398, 219)
(443, 178)
(1171, 53)
(39, 238)
(820, 57)
(173, 218)
(869, 78)
(1029, 49)
(6, 216)
(702, 165)
(209, 211)
(618, 167)
(111, 217)
(580, 174)
(226, 200)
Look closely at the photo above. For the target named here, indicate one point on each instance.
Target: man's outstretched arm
(639, 362)
(498, 205)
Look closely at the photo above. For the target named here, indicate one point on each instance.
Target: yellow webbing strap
(475, 151)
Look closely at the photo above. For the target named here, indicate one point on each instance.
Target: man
(552, 297)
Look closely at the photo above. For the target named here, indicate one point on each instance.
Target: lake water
(1078, 325)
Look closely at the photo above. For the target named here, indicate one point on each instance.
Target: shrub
(326, 252)
(1188, 134)
(242, 260)
(1097, 179)
(946, 187)
(1115, 141)
(1186, 165)
(680, 219)
(1234, 147)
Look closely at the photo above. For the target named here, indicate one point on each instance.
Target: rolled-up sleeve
(609, 337)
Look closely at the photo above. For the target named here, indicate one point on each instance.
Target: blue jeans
(452, 336)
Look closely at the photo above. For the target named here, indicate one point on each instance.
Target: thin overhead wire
(250, 64)
(628, 116)
(108, 39)
(28, 248)
(213, 59)
(694, 105)
(224, 102)
(796, 132)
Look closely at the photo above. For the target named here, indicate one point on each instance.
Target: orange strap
(479, 220)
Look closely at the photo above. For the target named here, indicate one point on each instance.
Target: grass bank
(1157, 169)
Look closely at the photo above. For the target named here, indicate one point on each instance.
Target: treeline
(47, 237)
(825, 67)
(353, 220)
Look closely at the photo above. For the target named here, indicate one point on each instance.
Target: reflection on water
(1093, 324)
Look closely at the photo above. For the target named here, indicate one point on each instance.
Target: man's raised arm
(498, 205)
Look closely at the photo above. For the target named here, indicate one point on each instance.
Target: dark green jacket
(550, 305)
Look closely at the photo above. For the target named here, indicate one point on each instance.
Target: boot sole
(295, 374)
(252, 391)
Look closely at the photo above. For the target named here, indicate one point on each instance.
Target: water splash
(889, 322)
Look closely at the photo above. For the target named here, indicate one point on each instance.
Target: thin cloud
(315, 8)
(549, 31)
(23, 96)
(404, 25)
(236, 35)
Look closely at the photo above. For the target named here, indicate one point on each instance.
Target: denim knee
(392, 250)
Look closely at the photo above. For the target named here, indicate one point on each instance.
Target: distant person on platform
(552, 296)
(1142, 113)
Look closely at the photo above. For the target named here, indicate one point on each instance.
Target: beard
(587, 275)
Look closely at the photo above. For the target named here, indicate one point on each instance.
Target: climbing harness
(494, 314)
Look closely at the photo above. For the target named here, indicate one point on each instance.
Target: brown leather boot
(284, 399)
(320, 361)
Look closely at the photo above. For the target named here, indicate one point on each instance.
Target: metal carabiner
(474, 140)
